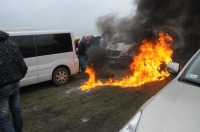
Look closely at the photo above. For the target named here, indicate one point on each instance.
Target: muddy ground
(48, 108)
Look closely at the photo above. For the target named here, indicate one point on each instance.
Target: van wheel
(60, 76)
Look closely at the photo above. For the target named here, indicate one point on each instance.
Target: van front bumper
(123, 60)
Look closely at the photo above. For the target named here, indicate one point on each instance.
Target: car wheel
(60, 76)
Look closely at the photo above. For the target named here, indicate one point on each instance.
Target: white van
(121, 49)
(49, 55)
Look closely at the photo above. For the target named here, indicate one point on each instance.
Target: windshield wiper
(188, 81)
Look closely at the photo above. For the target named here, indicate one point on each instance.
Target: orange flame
(146, 67)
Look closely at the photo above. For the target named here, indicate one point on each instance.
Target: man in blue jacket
(12, 70)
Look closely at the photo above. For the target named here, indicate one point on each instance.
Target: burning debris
(146, 66)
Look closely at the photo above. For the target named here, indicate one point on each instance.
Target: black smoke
(97, 58)
(107, 24)
(180, 18)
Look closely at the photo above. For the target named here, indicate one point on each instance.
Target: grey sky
(76, 15)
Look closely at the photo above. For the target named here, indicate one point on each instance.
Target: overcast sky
(77, 15)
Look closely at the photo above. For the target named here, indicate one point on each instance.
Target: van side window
(26, 45)
(53, 43)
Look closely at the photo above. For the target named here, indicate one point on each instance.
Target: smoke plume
(178, 17)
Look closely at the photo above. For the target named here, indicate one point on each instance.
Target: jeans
(82, 62)
(9, 98)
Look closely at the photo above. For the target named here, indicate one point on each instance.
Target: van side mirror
(173, 67)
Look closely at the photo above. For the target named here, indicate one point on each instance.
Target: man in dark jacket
(82, 48)
(12, 70)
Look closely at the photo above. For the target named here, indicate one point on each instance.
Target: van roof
(31, 31)
(17, 29)
(96, 35)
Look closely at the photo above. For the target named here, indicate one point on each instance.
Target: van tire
(60, 76)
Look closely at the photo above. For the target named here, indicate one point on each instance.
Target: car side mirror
(173, 67)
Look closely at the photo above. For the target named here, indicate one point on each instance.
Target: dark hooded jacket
(82, 47)
(12, 66)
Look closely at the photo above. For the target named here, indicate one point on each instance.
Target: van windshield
(122, 38)
(192, 72)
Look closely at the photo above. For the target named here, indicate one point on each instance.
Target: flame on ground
(146, 66)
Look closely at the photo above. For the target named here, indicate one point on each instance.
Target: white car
(176, 108)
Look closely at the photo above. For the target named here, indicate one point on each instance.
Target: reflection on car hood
(119, 46)
(175, 109)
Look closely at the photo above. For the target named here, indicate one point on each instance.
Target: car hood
(119, 46)
(175, 109)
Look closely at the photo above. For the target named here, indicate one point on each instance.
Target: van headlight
(132, 124)
(124, 53)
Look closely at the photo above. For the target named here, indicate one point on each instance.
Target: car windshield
(192, 72)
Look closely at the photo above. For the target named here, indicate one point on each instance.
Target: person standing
(76, 41)
(88, 39)
(92, 41)
(81, 53)
(12, 70)
(103, 43)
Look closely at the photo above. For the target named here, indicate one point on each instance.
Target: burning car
(146, 67)
(120, 50)
(176, 107)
